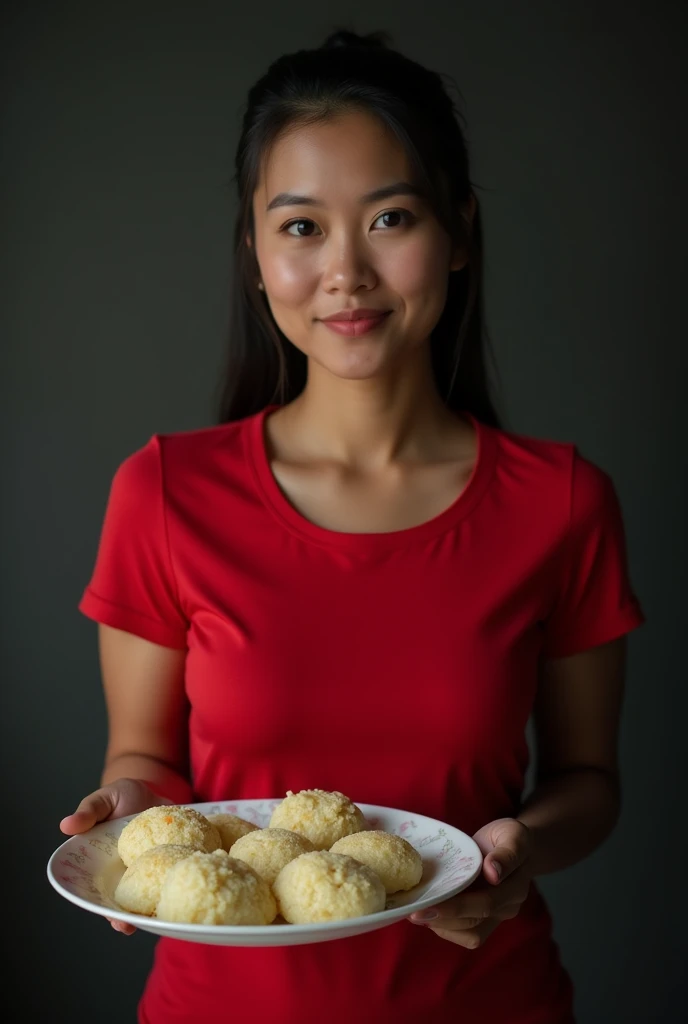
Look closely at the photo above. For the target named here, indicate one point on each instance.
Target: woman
(358, 581)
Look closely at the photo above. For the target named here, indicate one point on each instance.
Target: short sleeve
(595, 602)
(133, 585)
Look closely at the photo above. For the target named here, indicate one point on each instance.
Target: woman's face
(325, 244)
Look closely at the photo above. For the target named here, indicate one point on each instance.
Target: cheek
(417, 269)
(289, 278)
(418, 272)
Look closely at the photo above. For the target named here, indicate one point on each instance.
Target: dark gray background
(119, 123)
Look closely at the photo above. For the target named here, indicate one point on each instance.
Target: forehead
(347, 155)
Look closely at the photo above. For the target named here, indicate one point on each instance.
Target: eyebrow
(399, 188)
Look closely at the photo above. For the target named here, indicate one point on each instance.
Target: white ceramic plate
(86, 869)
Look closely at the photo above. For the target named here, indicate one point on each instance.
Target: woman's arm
(147, 713)
(575, 803)
(577, 797)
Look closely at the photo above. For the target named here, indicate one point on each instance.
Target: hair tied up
(344, 38)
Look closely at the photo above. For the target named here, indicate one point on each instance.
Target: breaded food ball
(138, 890)
(391, 857)
(269, 849)
(168, 824)
(214, 888)
(325, 886)
(231, 827)
(321, 816)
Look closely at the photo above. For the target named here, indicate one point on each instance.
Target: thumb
(92, 809)
(510, 851)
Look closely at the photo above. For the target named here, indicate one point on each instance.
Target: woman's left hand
(470, 917)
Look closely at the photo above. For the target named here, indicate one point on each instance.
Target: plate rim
(384, 917)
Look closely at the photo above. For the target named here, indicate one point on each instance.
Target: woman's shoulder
(183, 462)
(184, 445)
(185, 453)
(550, 465)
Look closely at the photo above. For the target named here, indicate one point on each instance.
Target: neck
(371, 423)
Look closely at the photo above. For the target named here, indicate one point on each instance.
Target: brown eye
(299, 224)
(394, 218)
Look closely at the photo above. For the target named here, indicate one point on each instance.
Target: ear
(459, 254)
(459, 259)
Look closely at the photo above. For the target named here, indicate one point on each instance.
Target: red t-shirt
(399, 668)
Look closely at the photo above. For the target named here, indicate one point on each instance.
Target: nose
(347, 266)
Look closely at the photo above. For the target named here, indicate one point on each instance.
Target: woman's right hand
(115, 800)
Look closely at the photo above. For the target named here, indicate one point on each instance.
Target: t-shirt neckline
(281, 507)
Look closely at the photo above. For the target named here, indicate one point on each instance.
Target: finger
(94, 808)
(510, 910)
(452, 924)
(76, 823)
(122, 926)
(475, 907)
(472, 938)
(468, 905)
(507, 856)
(502, 912)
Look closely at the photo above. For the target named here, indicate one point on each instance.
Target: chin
(356, 370)
(349, 364)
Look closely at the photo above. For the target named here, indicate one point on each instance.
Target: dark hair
(360, 73)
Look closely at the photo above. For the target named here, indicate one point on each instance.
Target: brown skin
(147, 733)
(575, 804)
(370, 447)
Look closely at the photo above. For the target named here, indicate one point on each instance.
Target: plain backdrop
(119, 122)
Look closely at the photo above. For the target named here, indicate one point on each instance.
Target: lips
(355, 326)
(356, 314)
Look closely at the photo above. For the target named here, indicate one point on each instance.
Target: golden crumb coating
(391, 857)
(165, 825)
(231, 827)
(138, 890)
(321, 816)
(323, 886)
(214, 888)
(269, 849)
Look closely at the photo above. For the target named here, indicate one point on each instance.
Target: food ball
(323, 886)
(168, 824)
(320, 816)
(138, 890)
(231, 827)
(269, 849)
(391, 857)
(214, 888)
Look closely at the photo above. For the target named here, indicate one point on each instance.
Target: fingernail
(498, 868)
(425, 915)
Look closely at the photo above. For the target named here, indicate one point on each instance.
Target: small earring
(261, 286)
